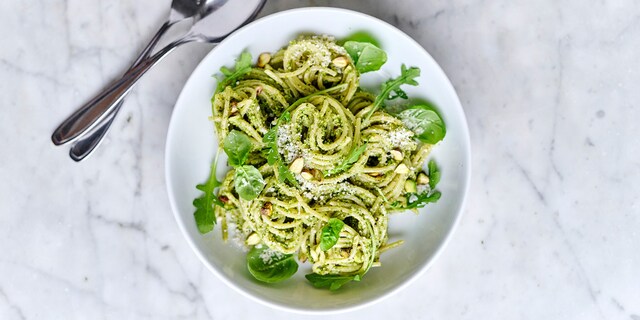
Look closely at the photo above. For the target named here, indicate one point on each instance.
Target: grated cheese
(401, 138)
(269, 255)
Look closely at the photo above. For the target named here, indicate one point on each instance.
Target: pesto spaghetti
(319, 164)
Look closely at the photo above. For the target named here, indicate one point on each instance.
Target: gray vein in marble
(66, 284)
(617, 304)
(193, 293)
(137, 149)
(37, 75)
(581, 270)
(94, 246)
(17, 310)
(558, 104)
(527, 177)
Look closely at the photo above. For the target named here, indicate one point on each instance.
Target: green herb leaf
(339, 88)
(237, 146)
(286, 116)
(270, 266)
(248, 182)
(204, 215)
(347, 162)
(366, 56)
(270, 139)
(398, 93)
(422, 199)
(434, 174)
(425, 122)
(331, 281)
(407, 76)
(331, 234)
(284, 174)
(243, 66)
(361, 36)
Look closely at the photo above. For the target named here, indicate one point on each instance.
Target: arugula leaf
(237, 146)
(425, 122)
(331, 234)
(248, 182)
(243, 66)
(398, 93)
(366, 56)
(340, 87)
(331, 281)
(422, 199)
(407, 76)
(204, 215)
(284, 174)
(348, 162)
(270, 139)
(434, 174)
(270, 266)
(286, 116)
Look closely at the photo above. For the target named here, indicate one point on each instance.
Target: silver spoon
(90, 139)
(211, 28)
(180, 10)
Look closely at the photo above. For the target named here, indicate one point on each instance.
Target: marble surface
(552, 224)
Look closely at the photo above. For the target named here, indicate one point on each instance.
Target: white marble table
(552, 225)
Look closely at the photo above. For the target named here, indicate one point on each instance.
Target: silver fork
(90, 139)
(206, 27)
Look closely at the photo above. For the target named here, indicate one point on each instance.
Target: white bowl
(191, 145)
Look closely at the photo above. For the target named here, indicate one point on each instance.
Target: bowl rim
(396, 288)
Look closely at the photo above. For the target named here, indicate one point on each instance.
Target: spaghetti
(346, 165)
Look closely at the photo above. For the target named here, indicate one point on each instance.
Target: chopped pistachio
(340, 62)
(423, 179)
(296, 166)
(263, 59)
(252, 239)
(396, 155)
(410, 186)
(266, 209)
(402, 169)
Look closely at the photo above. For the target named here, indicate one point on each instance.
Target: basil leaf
(331, 281)
(422, 199)
(366, 56)
(243, 66)
(425, 122)
(361, 36)
(347, 162)
(434, 174)
(331, 234)
(407, 76)
(237, 146)
(248, 182)
(270, 266)
(205, 215)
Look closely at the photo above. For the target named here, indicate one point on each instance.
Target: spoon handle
(71, 128)
(90, 140)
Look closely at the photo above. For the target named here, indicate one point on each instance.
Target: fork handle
(85, 118)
